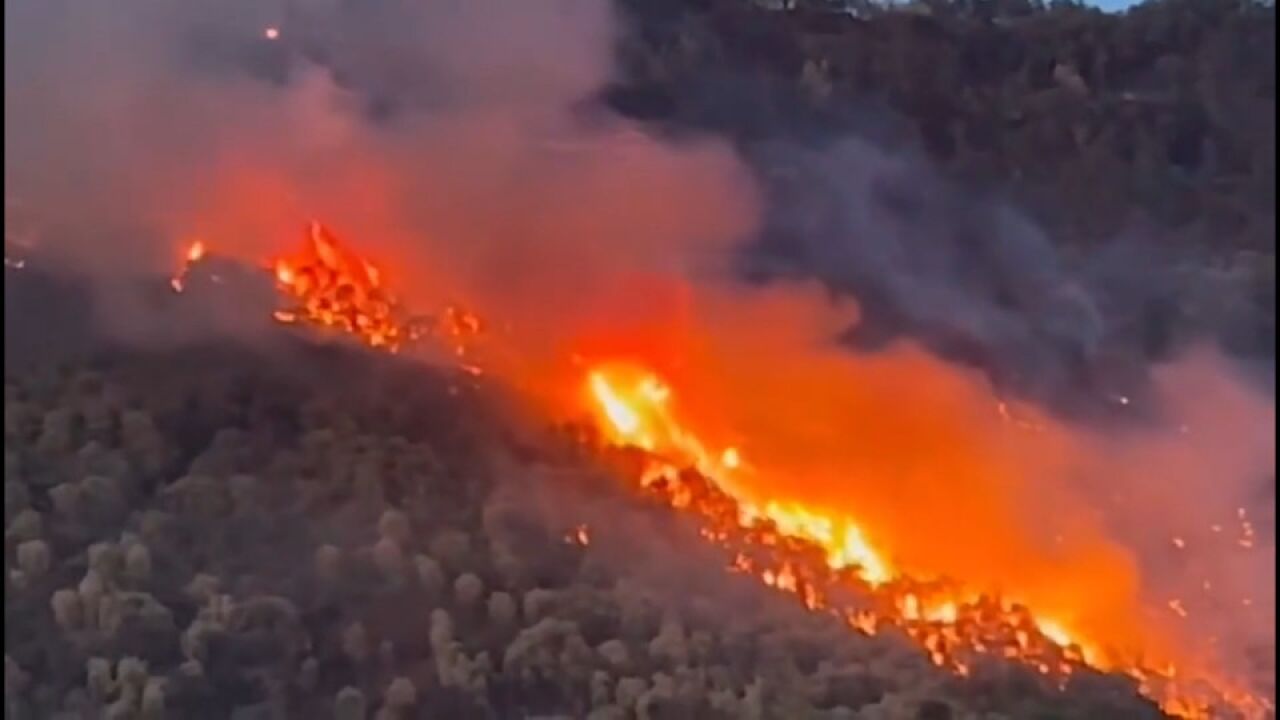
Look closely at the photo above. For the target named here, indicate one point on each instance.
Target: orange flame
(194, 253)
(330, 287)
(802, 550)
(633, 407)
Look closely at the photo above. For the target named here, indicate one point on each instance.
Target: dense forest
(246, 538)
(1154, 128)
(1164, 114)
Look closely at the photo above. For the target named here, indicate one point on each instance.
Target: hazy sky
(1114, 4)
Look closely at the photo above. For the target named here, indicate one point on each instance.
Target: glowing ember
(194, 253)
(330, 287)
(579, 536)
(324, 285)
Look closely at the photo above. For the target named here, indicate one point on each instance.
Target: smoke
(456, 144)
(968, 276)
(1180, 494)
(132, 132)
(974, 280)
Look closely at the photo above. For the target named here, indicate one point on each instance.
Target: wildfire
(815, 555)
(331, 287)
(193, 254)
(328, 286)
(775, 541)
(579, 536)
(323, 284)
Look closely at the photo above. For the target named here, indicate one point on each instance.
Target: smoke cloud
(969, 276)
(456, 144)
(138, 131)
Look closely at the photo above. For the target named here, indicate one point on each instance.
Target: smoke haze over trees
(1078, 205)
(1137, 149)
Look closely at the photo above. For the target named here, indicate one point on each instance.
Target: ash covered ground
(288, 529)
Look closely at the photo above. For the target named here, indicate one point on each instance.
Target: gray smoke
(974, 278)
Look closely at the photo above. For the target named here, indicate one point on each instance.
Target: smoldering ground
(453, 144)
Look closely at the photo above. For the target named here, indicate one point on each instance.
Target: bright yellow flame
(194, 253)
(635, 408)
(730, 458)
(843, 541)
(623, 419)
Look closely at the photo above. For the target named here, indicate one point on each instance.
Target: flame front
(774, 540)
(827, 560)
(638, 412)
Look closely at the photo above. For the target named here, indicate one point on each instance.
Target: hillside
(223, 531)
(640, 360)
(1152, 129)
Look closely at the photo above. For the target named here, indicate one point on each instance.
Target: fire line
(787, 546)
